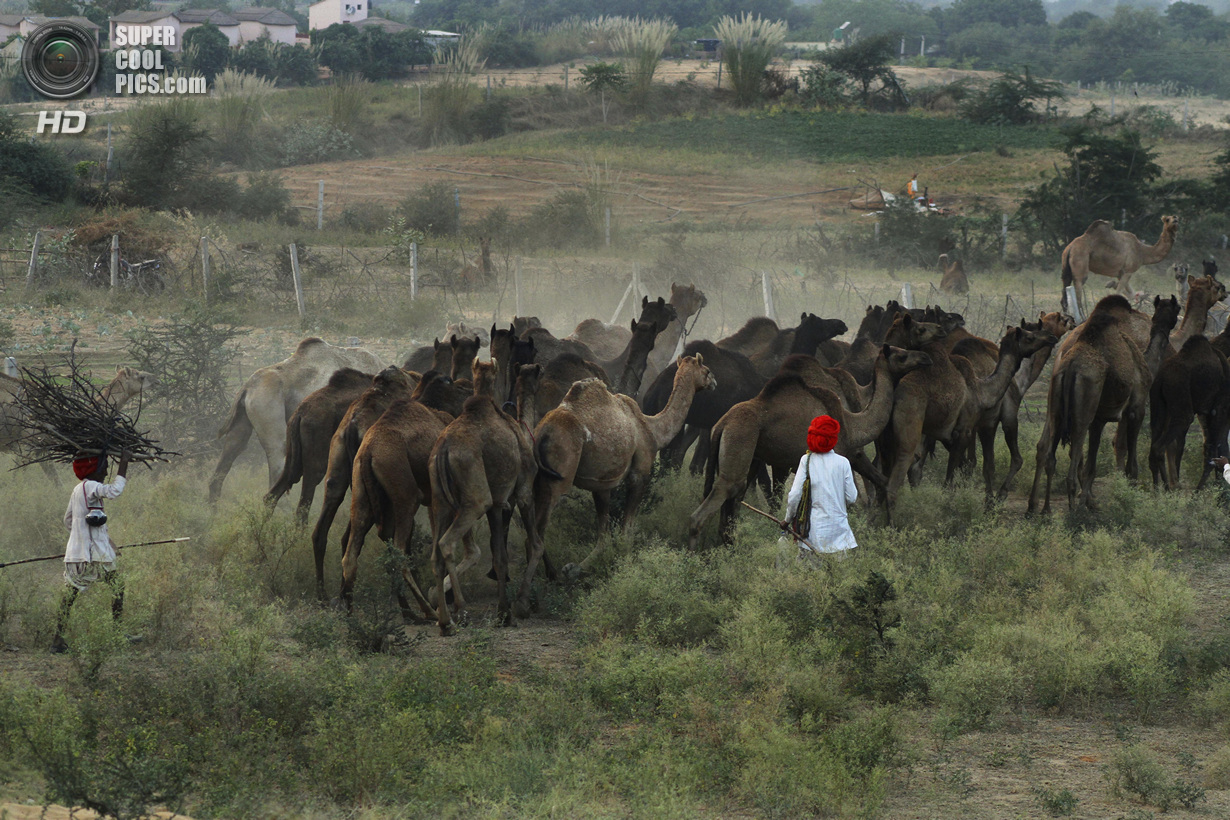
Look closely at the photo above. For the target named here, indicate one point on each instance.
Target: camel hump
(1098, 226)
(584, 388)
(309, 344)
(1191, 345)
(781, 383)
(347, 377)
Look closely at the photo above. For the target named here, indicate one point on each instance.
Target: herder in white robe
(832, 489)
(90, 554)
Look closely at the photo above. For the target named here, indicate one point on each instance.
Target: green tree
(30, 167)
(1011, 99)
(163, 156)
(865, 61)
(206, 51)
(601, 78)
(1008, 13)
(1105, 177)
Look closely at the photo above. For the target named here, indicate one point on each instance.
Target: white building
(327, 12)
(25, 24)
(146, 18)
(194, 18)
(256, 22)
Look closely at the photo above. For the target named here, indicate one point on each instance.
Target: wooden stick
(122, 547)
(779, 522)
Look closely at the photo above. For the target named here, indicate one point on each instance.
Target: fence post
(877, 232)
(457, 207)
(414, 271)
(205, 266)
(1003, 236)
(420, 88)
(624, 299)
(33, 268)
(320, 205)
(565, 78)
(1123, 219)
(719, 83)
(767, 287)
(1112, 103)
(517, 284)
(294, 269)
(1185, 114)
(10, 367)
(907, 296)
(1073, 307)
(607, 224)
(115, 259)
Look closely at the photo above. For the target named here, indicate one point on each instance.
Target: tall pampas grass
(448, 100)
(641, 43)
(748, 46)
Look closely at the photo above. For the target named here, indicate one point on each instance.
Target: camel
(548, 347)
(954, 281)
(390, 480)
(127, 385)
(508, 351)
(941, 402)
(1107, 252)
(309, 432)
(386, 387)
(482, 463)
(772, 427)
(524, 324)
(1103, 377)
(270, 396)
(597, 440)
(1194, 383)
(811, 332)
(1179, 271)
(688, 302)
(452, 358)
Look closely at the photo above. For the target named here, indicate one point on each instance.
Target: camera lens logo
(60, 60)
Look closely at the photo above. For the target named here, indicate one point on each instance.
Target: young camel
(1103, 377)
(390, 477)
(771, 429)
(597, 440)
(482, 464)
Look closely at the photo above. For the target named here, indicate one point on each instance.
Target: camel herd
(468, 438)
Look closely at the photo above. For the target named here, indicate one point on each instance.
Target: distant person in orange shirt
(911, 189)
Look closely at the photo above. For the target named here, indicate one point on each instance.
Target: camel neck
(665, 425)
(863, 428)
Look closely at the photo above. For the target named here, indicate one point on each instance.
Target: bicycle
(144, 276)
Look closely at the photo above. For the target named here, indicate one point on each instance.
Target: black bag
(94, 516)
(801, 523)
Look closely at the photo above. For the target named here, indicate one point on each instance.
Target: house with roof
(194, 18)
(146, 18)
(256, 22)
(389, 26)
(325, 13)
(25, 24)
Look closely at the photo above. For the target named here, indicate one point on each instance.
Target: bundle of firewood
(64, 415)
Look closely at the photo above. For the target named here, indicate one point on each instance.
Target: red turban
(822, 434)
(85, 467)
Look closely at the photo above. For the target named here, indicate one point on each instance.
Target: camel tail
(239, 414)
(711, 463)
(1067, 402)
(368, 487)
(292, 470)
(442, 477)
(540, 455)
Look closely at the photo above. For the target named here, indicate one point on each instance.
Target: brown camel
(270, 396)
(688, 302)
(1103, 377)
(390, 480)
(309, 432)
(452, 357)
(811, 332)
(387, 386)
(954, 280)
(1193, 383)
(1107, 252)
(772, 429)
(597, 440)
(482, 463)
(474, 274)
(508, 351)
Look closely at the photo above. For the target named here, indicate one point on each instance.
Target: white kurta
(832, 488)
(88, 544)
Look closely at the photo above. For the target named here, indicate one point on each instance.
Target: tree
(865, 61)
(1010, 99)
(206, 51)
(1008, 13)
(31, 167)
(163, 157)
(1106, 177)
(599, 78)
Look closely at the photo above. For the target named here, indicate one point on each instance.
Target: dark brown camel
(954, 280)
(482, 464)
(1193, 383)
(308, 433)
(1102, 377)
(772, 429)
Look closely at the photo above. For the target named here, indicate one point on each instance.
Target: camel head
(464, 351)
(1165, 313)
(1170, 225)
(659, 313)
(393, 378)
(901, 361)
(501, 341)
(692, 370)
(528, 377)
(133, 381)
(1210, 267)
(483, 375)
(943, 261)
(1179, 271)
(912, 334)
(1056, 323)
(941, 317)
(687, 301)
(644, 334)
(464, 331)
(1206, 291)
(812, 326)
(522, 352)
(1027, 342)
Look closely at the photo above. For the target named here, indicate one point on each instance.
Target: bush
(316, 142)
(28, 167)
(368, 217)
(265, 197)
(572, 218)
(432, 210)
(164, 153)
(1135, 772)
(976, 689)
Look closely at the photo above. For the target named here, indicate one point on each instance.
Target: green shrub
(432, 210)
(368, 217)
(976, 690)
(32, 167)
(1135, 772)
(314, 142)
(1056, 803)
(571, 218)
(265, 197)
(1217, 769)
(658, 595)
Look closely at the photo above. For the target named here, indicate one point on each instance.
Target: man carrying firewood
(90, 555)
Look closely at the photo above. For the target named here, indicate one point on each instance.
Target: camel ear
(661, 301)
(492, 334)
(634, 325)
(1191, 280)
(644, 301)
(435, 343)
(452, 341)
(700, 359)
(906, 320)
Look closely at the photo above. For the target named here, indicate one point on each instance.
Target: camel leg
(1010, 424)
(638, 484)
(534, 553)
(701, 454)
(314, 469)
(863, 466)
(723, 490)
(1129, 430)
(907, 435)
(498, 519)
(335, 492)
(361, 522)
(602, 510)
(403, 532)
(1045, 461)
(271, 433)
(456, 526)
(233, 443)
(1090, 471)
(986, 438)
(675, 451)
